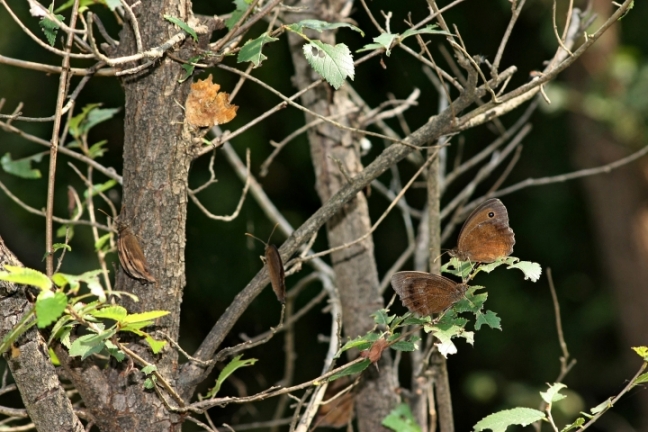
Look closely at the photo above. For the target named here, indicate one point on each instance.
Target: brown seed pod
(275, 269)
(131, 256)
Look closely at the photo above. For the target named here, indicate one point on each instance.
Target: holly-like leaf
(333, 63)
(531, 270)
(156, 345)
(241, 7)
(382, 318)
(183, 25)
(642, 351)
(251, 51)
(50, 27)
(489, 318)
(499, 421)
(21, 167)
(49, 306)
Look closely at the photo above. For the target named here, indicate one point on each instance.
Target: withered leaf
(206, 107)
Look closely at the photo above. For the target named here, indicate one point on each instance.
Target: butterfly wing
(486, 236)
(425, 293)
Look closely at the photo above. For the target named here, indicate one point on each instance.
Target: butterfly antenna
(256, 238)
(441, 254)
(272, 232)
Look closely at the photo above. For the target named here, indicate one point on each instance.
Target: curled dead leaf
(206, 107)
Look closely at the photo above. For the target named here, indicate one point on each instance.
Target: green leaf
(489, 318)
(384, 41)
(241, 7)
(149, 383)
(156, 345)
(99, 244)
(87, 345)
(446, 332)
(57, 246)
(606, 404)
(553, 393)
(97, 149)
(183, 25)
(414, 320)
(26, 276)
(101, 187)
(351, 370)
(233, 365)
(580, 421)
(21, 167)
(114, 351)
(49, 306)
(65, 231)
(189, 67)
(531, 270)
(137, 327)
(320, 26)
(499, 421)
(113, 312)
(89, 117)
(381, 318)
(457, 268)
(642, 351)
(251, 51)
(401, 419)
(333, 63)
(148, 370)
(26, 322)
(404, 346)
(641, 379)
(51, 27)
(360, 343)
(113, 4)
(144, 316)
(428, 29)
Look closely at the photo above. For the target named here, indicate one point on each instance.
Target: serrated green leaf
(382, 318)
(50, 27)
(333, 63)
(251, 51)
(113, 312)
(457, 268)
(489, 318)
(401, 419)
(229, 369)
(137, 327)
(351, 370)
(86, 345)
(156, 345)
(499, 421)
(26, 276)
(553, 393)
(183, 25)
(446, 332)
(385, 40)
(144, 316)
(320, 26)
(49, 306)
(21, 167)
(414, 320)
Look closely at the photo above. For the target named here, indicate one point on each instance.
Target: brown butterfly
(275, 268)
(486, 235)
(131, 256)
(426, 293)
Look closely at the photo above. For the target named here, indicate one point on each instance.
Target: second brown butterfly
(426, 293)
(131, 256)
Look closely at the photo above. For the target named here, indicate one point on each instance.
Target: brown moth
(131, 256)
(275, 268)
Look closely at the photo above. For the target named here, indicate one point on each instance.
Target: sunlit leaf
(499, 421)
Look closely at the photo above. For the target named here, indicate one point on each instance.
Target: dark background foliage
(552, 223)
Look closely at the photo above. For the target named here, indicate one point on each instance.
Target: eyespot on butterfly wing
(486, 235)
(425, 293)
